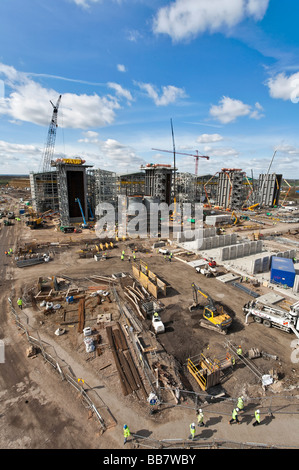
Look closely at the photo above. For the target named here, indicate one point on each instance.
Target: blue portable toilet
(282, 271)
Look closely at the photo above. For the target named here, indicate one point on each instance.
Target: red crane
(197, 156)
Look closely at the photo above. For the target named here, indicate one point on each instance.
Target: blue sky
(226, 72)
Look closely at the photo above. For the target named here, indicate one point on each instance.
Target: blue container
(282, 271)
(22, 211)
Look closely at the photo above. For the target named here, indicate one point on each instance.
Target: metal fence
(56, 363)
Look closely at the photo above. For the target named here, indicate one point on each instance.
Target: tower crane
(49, 148)
(197, 156)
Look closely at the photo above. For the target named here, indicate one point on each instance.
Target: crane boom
(197, 156)
(49, 148)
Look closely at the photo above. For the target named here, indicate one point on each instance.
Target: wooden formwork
(205, 372)
(149, 280)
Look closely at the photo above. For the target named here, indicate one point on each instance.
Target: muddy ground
(41, 411)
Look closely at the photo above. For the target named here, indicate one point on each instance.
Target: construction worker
(20, 303)
(257, 418)
(169, 257)
(239, 351)
(200, 417)
(122, 256)
(123, 252)
(192, 431)
(156, 315)
(134, 256)
(234, 416)
(233, 361)
(240, 403)
(127, 433)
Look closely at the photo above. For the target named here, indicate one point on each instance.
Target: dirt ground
(40, 411)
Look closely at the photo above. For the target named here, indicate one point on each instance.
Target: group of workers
(123, 255)
(9, 252)
(169, 257)
(200, 420)
(240, 407)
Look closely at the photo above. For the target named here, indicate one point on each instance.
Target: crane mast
(50, 144)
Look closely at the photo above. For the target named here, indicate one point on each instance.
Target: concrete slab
(270, 298)
(196, 263)
(230, 277)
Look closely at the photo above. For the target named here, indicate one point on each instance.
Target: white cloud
(29, 102)
(121, 68)
(288, 149)
(257, 8)
(184, 19)
(85, 3)
(207, 138)
(120, 91)
(230, 109)
(221, 151)
(133, 35)
(169, 93)
(284, 87)
(120, 157)
(91, 137)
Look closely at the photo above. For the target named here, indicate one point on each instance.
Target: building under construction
(160, 181)
(230, 191)
(131, 184)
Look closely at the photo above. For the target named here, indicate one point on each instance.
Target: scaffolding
(186, 187)
(131, 184)
(44, 191)
(101, 187)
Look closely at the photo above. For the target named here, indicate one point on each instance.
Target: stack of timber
(129, 376)
(136, 297)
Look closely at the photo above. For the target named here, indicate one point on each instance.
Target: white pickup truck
(158, 325)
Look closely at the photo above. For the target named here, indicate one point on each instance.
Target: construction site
(146, 330)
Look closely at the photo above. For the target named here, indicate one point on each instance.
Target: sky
(225, 73)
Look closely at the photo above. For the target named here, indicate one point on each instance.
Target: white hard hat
(257, 411)
(200, 411)
(237, 409)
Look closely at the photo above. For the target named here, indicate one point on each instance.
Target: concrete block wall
(240, 250)
(214, 219)
(296, 284)
(192, 235)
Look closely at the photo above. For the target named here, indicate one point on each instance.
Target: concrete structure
(72, 185)
(159, 181)
(269, 189)
(218, 219)
(230, 188)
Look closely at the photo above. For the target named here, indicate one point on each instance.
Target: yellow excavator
(214, 318)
